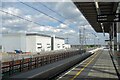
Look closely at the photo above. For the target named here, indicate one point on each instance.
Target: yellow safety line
(83, 68)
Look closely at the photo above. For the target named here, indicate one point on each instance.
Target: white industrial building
(31, 42)
(38, 42)
(67, 46)
(0, 43)
(11, 42)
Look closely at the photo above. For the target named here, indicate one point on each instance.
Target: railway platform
(97, 67)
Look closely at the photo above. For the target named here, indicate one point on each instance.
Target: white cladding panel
(67, 46)
(13, 42)
(59, 43)
(31, 43)
(43, 43)
(23, 43)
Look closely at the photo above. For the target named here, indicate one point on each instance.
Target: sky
(62, 19)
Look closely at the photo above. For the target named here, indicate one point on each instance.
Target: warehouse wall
(59, 43)
(67, 46)
(43, 43)
(11, 42)
(31, 43)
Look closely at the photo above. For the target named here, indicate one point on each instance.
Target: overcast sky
(67, 21)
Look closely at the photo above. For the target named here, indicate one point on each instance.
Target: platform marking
(83, 68)
(75, 67)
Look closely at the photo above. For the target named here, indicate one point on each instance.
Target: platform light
(102, 28)
(101, 23)
(98, 12)
(96, 3)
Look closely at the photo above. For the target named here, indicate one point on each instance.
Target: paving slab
(97, 67)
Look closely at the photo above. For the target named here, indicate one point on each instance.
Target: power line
(41, 12)
(44, 12)
(21, 18)
(55, 12)
(52, 10)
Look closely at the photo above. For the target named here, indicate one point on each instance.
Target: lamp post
(81, 37)
(95, 36)
(98, 42)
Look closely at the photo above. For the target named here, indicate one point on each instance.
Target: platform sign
(108, 17)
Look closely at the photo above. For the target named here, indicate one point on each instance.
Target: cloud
(29, 17)
(19, 25)
(62, 26)
(65, 10)
(37, 28)
(43, 18)
(70, 13)
(71, 16)
(69, 32)
(13, 10)
(57, 30)
(72, 31)
(87, 28)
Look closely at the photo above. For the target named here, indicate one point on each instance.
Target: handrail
(16, 66)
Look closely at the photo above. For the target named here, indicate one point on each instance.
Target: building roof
(27, 34)
(34, 34)
(88, 9)
(59, 37)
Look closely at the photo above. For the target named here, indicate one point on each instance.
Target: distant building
(31, 42)
(67, 46)
(37, 42)
(76, 46)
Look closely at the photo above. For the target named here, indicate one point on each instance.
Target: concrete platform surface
(98, 67)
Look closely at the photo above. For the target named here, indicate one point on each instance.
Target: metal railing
(16, 66)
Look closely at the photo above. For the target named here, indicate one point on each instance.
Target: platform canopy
(89, 10)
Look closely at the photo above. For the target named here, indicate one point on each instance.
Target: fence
(15, 66)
